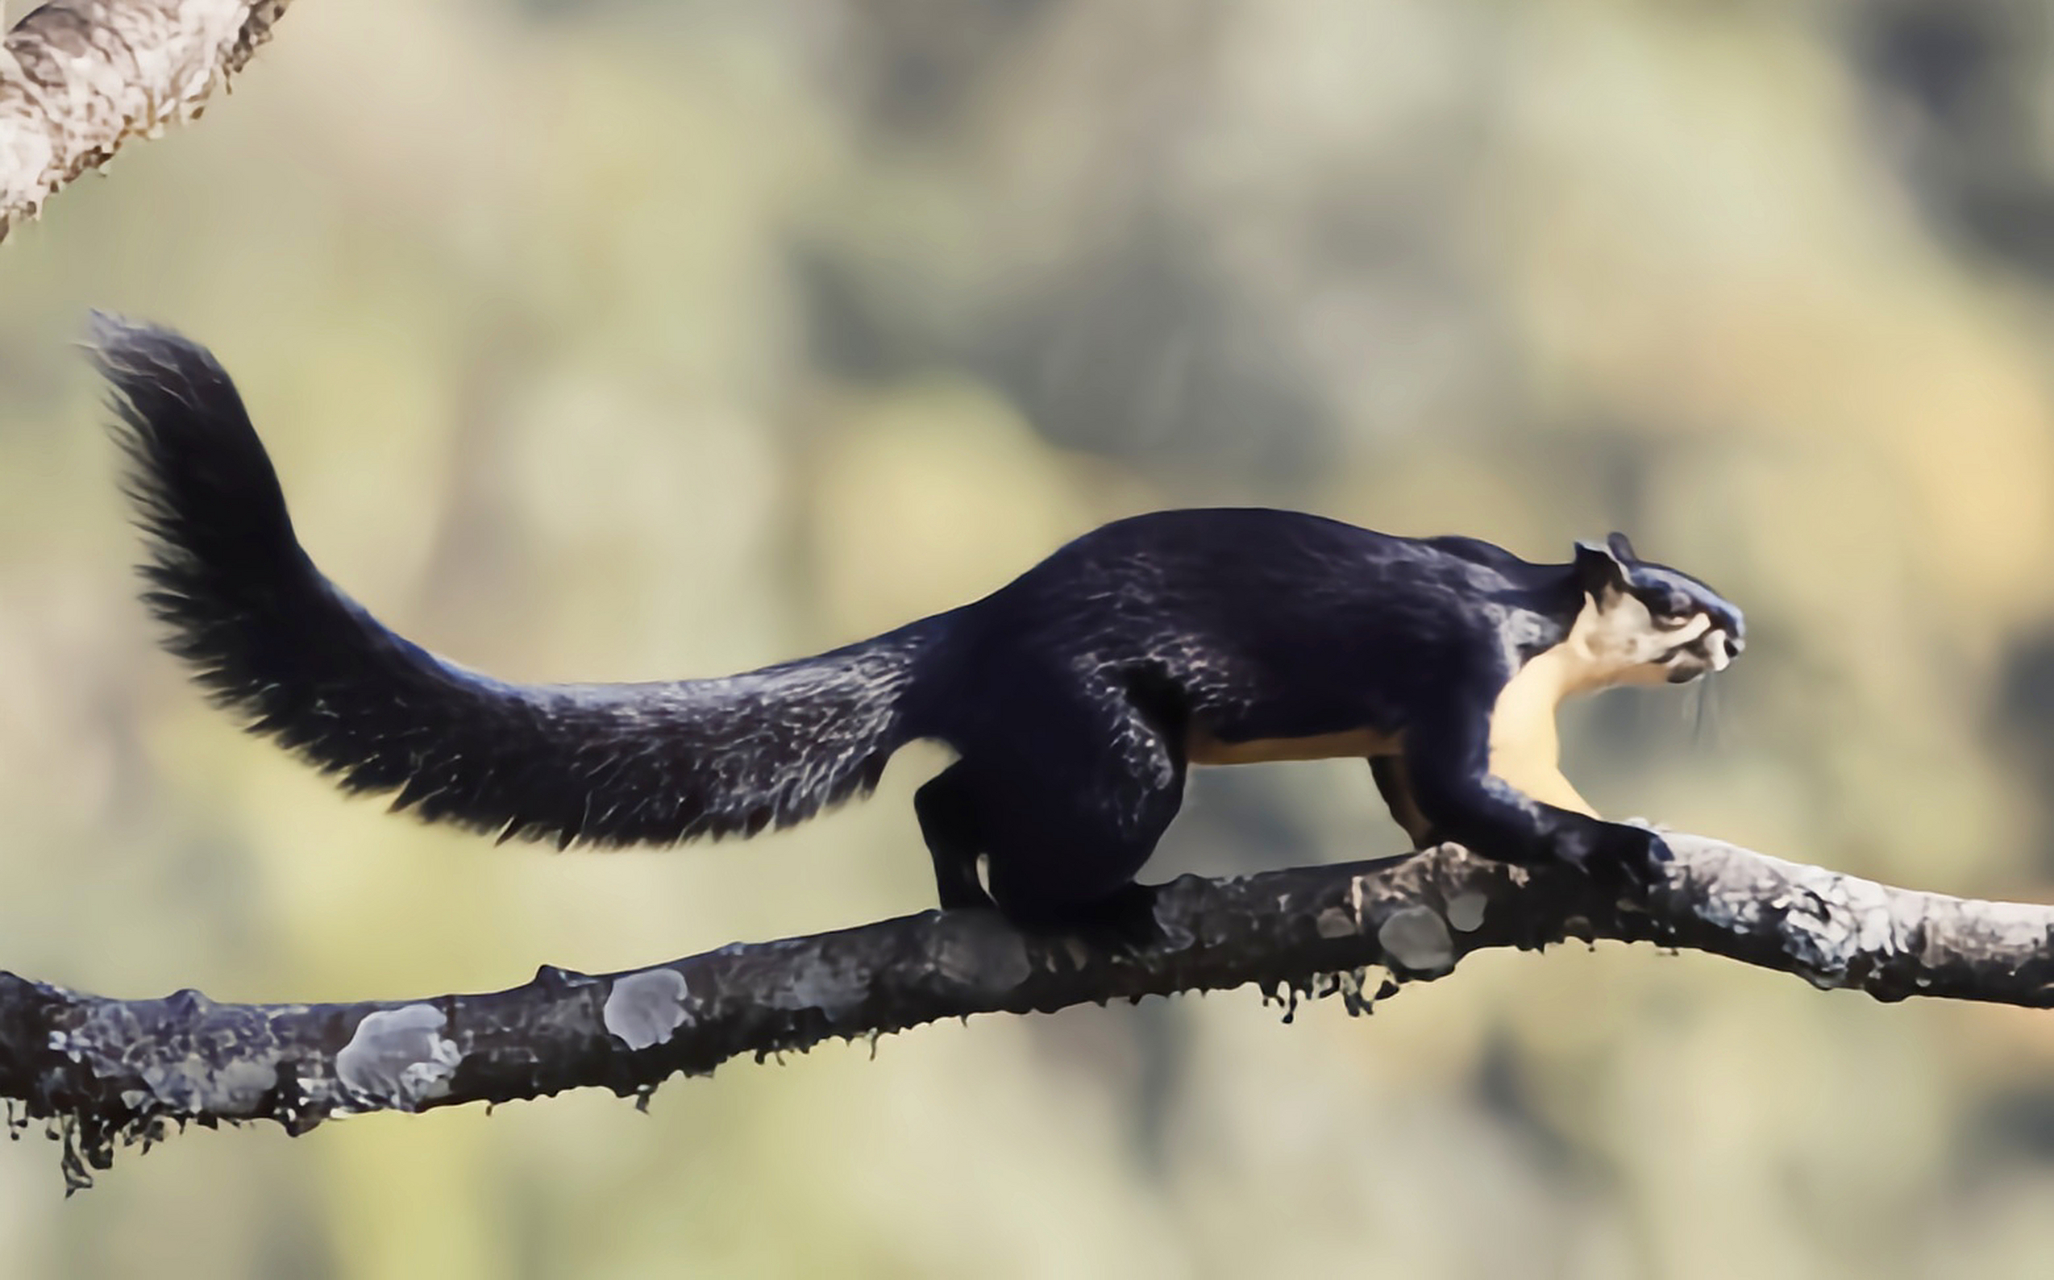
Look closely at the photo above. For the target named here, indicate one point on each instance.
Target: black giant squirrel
(1075, 698)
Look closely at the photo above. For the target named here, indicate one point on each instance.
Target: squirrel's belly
(1200, 747)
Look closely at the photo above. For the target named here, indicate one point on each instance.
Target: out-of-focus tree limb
(103, 1072)
(80, 77)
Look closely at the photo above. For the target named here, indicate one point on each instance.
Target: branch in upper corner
(105, 1072)
(80, 77)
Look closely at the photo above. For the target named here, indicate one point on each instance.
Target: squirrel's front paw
(1612, 853)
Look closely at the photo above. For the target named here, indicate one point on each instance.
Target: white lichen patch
(1465, 911)
(399, 1057)
(1417, 939)
(644, 1009)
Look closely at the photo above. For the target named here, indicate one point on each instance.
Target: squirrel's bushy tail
(274, 640)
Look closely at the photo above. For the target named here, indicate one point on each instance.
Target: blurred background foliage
(642, 339)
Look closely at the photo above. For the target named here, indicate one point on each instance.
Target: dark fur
(1068, 694)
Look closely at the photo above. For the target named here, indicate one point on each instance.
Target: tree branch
(80, 77)
(107, 1072)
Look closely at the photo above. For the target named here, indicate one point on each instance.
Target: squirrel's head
(1645, 623)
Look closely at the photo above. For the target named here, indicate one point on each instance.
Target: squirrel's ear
(1621, 549)
(1600, 570)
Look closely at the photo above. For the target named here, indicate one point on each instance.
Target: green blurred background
(636, 340)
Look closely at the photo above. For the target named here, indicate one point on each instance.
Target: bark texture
(80, 77)
(101, 1073)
